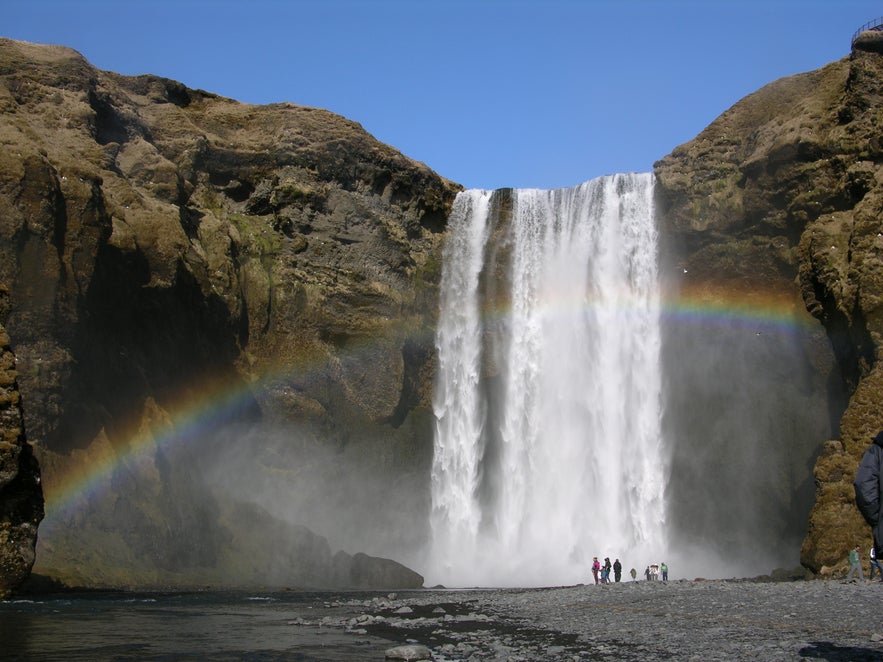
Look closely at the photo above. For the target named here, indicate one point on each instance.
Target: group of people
(601, 572)
(651, 573)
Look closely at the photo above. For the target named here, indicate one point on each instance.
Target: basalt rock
(781, 196)
(21, 497)
(266, 271)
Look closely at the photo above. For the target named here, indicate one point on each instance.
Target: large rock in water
(781, 196)
(21, 498)
(213, 304)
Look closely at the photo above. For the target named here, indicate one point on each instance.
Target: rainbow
(758, 311)
(71, 481)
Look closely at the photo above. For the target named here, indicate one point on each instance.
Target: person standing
(617, 571)
(875, 565)
(605, 573)
(634, 574)
(855, 565)
(596, 567)
(867, 487)
(664, 569)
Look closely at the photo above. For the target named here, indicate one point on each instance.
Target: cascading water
(548, 448)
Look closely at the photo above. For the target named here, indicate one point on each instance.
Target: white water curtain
(569, 463)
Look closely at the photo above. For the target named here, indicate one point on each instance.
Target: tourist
(875, 564)
(664, 569)
(647, 573)
(634, 574)
(617, 571)
(605, 572)
(867, 487)
(595, 568)
(855, 565)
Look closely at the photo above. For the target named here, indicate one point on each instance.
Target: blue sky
(488, 93)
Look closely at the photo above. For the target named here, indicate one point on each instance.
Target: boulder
(411, 652)
(367, 572)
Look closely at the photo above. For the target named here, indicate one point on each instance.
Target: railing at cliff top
(876, 25)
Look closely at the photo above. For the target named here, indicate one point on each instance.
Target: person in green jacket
(855, 565)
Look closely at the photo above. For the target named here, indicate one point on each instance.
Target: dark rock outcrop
(175, 256)
(362, 572)
(869, 40)
(21, 497)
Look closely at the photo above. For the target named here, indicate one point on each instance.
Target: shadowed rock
(21, 498)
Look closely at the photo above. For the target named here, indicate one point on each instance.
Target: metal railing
(876, 24)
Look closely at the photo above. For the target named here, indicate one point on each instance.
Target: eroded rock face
(175, 256)
(781, 197)
(21, 497)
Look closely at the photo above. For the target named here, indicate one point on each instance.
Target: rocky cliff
(781, 196)
(207, 299)
(21, 499)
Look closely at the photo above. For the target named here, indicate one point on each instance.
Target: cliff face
(21, 498)
(194, 282)
(781, 197)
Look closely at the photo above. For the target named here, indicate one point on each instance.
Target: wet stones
(409, 652)
(634, 621)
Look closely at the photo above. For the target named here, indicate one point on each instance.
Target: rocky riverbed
(678, 620)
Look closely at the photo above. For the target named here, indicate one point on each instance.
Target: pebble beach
(645, 620)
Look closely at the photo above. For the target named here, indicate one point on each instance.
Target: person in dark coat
(868, 490)
(617, 571)
(875, 565)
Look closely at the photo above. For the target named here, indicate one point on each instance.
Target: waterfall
(548, 448)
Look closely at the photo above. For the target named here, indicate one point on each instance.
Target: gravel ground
(677, 620)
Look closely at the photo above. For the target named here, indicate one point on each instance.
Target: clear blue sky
(488, 93)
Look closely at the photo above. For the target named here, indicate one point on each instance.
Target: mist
(748, 405)
(360, 496)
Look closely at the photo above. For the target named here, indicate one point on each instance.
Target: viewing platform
(869, 37)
